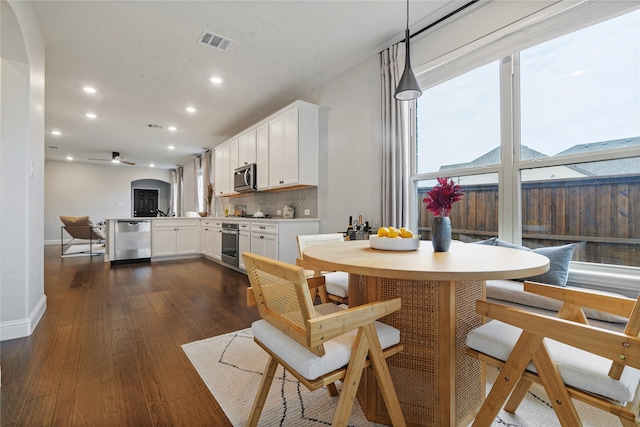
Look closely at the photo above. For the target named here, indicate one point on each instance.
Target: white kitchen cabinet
(277, 239)
(293, 146)
(247, 148)
(233, 160)
(264, 239)
(262, 156)
(244, 242)
(217, 240)
(207, 232)
(222, 172)
(175, 237)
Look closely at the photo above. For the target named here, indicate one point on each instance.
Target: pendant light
(408, 88)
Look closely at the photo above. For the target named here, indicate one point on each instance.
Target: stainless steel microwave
(244, 178)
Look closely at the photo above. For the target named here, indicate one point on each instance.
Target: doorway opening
(145, 202)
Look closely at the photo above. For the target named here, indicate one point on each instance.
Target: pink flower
(443, 196)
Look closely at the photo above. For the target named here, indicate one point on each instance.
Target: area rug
(84, 250)
(231, 366)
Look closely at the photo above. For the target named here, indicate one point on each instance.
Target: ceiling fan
(116, 158)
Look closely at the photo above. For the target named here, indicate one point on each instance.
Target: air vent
(152, 126)
(215, 40)
(54, 147)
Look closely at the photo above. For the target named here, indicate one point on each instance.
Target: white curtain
(202, 169)
(175, 199)
(395, 167)
(199, 187)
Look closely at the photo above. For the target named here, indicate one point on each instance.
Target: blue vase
(441, 233)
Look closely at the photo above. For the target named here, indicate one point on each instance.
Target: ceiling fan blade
(127, 163)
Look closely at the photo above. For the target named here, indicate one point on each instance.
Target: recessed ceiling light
(171, 147)
(151, 165)
(56, 132)
(216, 80)
(91, 115)
(69, 158)
(89, 89)
(190, 109)
(172, 128)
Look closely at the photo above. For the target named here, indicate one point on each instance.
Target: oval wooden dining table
(437, 383)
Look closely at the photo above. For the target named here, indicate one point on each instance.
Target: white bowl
(394, 243)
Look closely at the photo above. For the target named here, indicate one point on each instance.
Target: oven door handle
(230, 231)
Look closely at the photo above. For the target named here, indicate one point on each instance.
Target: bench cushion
(513, 291)
(577, 367)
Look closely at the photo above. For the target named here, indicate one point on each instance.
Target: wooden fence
(602, 215)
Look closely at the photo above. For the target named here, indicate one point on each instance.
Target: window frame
(552, 22)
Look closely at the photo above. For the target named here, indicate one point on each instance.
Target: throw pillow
(559, 259)
(490, 242)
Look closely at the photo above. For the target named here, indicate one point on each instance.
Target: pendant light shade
(408, 88)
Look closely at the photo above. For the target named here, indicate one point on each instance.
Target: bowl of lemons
(394, 239)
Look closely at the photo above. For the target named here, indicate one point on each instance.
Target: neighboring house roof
(602, 168)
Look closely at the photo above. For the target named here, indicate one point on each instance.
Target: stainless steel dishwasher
(132, 241)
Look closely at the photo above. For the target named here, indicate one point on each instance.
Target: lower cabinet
(264, 239)
(170, 238)
(244, 242)
(217, 241)
(208, 232)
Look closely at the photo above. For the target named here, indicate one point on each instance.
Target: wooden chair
(322, 344)
(570, 358)
(336, 282)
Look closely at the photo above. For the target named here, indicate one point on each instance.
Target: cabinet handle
(263, 228)
(262, 237)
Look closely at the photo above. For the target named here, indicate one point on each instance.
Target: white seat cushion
(338, 350)
(337, 283)
(578, 368)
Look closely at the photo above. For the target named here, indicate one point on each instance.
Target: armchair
(570, 358)
(318, 345)
(79, 227)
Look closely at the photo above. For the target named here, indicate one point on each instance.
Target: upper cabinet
(262, 153)
(293, 146)
(222, 170)
(247, 148)
(284, 146)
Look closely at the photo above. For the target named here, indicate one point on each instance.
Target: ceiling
(145, 60)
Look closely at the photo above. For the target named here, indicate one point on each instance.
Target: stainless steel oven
(230, 243)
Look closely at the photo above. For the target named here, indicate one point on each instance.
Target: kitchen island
(190, 237)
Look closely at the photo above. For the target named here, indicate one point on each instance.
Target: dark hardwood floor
(107, 350)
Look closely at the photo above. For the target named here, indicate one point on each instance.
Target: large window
(546, 142)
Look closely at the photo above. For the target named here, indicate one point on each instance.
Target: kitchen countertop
(220, 218)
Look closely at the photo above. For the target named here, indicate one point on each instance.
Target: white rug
(84, 250)
(231, 366)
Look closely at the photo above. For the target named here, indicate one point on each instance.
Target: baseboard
(23, 327)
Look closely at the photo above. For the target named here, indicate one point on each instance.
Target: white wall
(350, 153)
(99, 191)
(22, 299)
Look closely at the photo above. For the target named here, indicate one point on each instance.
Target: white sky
(583, 87)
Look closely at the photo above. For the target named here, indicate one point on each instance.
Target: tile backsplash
(272, 201)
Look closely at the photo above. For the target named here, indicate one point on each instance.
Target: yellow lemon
(405, 233)
(383, 231)
(393, 232)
